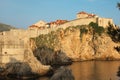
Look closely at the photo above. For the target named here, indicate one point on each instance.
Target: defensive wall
(13, 45)
(85, 21)
(82, 21)
(13, 42)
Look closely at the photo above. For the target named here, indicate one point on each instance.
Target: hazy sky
(22, 13)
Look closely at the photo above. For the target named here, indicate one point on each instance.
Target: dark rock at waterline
(118, 73)
(17, 70)
(48, 56)
(63, 73)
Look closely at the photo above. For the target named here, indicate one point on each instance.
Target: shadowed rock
(49, 56)
(118, 73)
(29, 68)
(18, 70)
(63, 73)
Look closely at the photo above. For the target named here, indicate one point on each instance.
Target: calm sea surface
(94, 70)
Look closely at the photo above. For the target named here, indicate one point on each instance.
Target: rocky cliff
(86, 42)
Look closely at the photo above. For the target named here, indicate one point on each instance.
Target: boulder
(63, 73)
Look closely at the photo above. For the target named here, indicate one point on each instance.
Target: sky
(23, 13)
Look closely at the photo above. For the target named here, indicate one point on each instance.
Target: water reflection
(95, 70)
(118, 73)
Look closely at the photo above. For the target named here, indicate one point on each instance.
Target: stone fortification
(11, 47)
(81, 43)
(13, 42)
(85, 21)
(15, 54)
(83, 18)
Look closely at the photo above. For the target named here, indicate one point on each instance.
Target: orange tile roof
(58, 22)
(33, 26)
(89, 15)
(82, 12)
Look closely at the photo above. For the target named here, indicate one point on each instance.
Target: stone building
(57, 23)
(87, 17)
(12, 43)
(11, 47)
(83, 18)
(39, 25)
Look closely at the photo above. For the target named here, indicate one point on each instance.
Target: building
(85, 15)
(57, 23)
(13, 43)
(39, 25)
(83, 18)
(43, 25)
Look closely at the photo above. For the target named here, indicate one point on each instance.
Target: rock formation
(63, 73)
(30, 67)
(81, 43)
(48, 56)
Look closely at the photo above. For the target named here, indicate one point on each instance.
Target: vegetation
(83, 30)
(49, 40)
(114, 33)
(117, 48)
(96, 29)
(5, 27)
(118, 5)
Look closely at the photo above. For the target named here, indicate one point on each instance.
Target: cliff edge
(86, 42)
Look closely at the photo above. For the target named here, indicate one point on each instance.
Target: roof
(89, 15)
(58, 22)
(82, 12)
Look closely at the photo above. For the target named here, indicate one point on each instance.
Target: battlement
(13, 42)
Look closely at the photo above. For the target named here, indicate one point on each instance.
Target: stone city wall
(104, 22)
(11, 47)
(84, 21)
(13, 42)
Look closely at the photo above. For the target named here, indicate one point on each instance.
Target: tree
(96, 28)
(118, 5)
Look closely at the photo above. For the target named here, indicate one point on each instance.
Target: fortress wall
(76, 22)
(82, 15)
(37, 32)
(12, 58)
(1, 38)
(9, 53)
(12, 43)
(81, 21)
(84, 21)
(31, 33)
(12, 46)
(19, 33)
(104, 22)
(12, 51)
(44, 31)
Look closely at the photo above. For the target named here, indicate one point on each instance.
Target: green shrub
(49, 40)
(97, 29)
(114, 33)
(83, 30)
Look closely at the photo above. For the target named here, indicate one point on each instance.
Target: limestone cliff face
(76, 48)
(101, 47)
(80, 45)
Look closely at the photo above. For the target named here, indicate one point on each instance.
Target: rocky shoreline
(48, 52)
